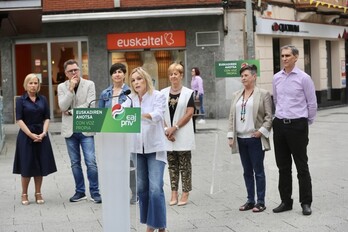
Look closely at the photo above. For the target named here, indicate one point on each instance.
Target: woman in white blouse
(150, 150)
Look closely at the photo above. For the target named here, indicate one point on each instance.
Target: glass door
(46, 60)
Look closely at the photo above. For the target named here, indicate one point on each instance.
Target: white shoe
(201, 121)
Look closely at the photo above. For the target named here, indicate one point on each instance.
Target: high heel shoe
(184, 199)
(174, 199)
(39, 200)
(25, 200)
(174, 202)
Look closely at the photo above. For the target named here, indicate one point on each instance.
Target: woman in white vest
(179, 132)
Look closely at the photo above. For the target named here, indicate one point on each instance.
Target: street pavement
(218, 188)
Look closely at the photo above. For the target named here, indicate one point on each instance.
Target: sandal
(39, 200)
(259, 208)
(25, 200)
(246, 206)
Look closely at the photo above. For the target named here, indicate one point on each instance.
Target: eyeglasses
(73, 70)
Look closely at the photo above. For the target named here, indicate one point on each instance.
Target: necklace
(243, 109)
(174, 91)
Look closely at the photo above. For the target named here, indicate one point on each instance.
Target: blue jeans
(87, 144)
(252, 156)
(201, 107)
(150, 191)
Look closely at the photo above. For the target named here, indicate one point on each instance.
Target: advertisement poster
(117, 119)
(231, 68)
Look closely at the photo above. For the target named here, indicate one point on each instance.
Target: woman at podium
(150, 149)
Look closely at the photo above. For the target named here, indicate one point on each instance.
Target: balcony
(20, 17)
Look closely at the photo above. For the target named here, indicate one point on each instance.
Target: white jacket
(184, 137)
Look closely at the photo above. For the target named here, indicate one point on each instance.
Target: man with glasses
(78, 93)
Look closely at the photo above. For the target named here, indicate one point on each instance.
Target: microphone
(126, 92)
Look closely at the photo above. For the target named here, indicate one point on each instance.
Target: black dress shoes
(282, 207)
(306, 209)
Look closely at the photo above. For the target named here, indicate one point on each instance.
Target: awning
(132, 14)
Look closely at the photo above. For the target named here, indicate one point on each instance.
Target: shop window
(49, 66)
(156, 63)
(276, 55)
(329, 70)
(307, 56)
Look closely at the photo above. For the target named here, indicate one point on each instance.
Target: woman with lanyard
(250, 124)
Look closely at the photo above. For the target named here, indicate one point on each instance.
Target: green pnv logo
(115, 119)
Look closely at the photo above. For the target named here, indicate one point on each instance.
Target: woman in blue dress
(34, 154)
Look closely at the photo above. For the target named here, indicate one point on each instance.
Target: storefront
(322, 54)
(97, 44)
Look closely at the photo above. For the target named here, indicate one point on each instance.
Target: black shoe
(96, 198)
(247, 206)
(78, 197)
(282, 207)
(306, 209)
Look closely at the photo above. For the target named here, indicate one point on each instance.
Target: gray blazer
(262, 113)
(68, 101)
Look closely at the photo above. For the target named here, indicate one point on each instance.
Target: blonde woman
(179, 132)
(34, 154)
(150, 150)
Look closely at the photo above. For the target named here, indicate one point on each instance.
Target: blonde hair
(29, 78)
(149, 83)
(176, 67)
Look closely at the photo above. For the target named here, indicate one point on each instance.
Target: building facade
(195, 33)
(320, 35)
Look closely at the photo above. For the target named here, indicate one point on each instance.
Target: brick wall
(68, 5)
(166, 3)
(88, 5)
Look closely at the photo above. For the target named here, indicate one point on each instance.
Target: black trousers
(290, 141)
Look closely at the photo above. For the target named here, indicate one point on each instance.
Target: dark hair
(293, 49)
(70, 62)
(251, 67)
(116, 67)
(197, 72)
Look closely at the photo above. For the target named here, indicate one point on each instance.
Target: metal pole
(250, 31)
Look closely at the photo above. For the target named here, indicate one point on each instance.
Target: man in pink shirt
(296, 107)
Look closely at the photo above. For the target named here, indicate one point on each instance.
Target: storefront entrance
(46, 60)
(154, 62)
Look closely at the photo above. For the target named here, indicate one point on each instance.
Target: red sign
(146, 40)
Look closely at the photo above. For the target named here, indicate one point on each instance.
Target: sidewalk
(218, 188)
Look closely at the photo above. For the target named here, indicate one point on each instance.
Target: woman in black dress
(34, 154)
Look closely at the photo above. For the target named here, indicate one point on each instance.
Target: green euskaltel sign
(116, 119)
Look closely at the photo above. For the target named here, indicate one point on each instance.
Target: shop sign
(266, 26)
(232, 68)
(146, 40)
(285, 27)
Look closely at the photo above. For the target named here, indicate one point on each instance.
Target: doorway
(46, 60)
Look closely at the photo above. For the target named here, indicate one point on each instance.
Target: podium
(113, 148)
